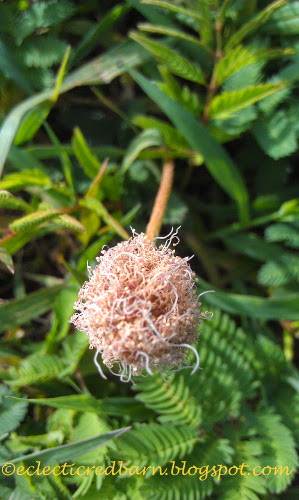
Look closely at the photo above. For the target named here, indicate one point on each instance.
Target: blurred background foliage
(94, 95)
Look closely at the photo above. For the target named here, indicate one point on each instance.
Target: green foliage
(287, 232)
(172, 402)
(12, 412)
(285, 21)
(150, 137)
(174, 62)
(87, 160)
(278, 136)
(42, 15)
(228, 103)
(36, 368)
(155, 444)
(6, 259)
(254, 23)
(81, 153)
(32, 220)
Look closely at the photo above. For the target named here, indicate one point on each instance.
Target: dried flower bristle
(139, 307)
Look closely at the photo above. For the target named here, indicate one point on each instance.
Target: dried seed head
(139, 307)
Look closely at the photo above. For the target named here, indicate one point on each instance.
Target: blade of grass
(219, 164)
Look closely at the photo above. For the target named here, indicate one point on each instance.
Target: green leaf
(97, 207)
(283, 270)
(172, 137)
(289, 233)
(285, 21)
(174, 62)
(173, 7)
(12, 411)
(35, 368)
(165, 30)
(10, 67)
(74, 347)
(20, 180)
(89, 425)
(63, 308)
(42, 15)
(42, 51)
(153, 15)
(85, 157)
(70, 223)
(254, 23)
(171, 399)
(253, 246)
(92, 251)
(81, 402)
(279, 449)
(32, 122)
(252, 306)
(146, 139)
(155, 444)
(277, 136)
(25, 160)
(19, 311)
(218, 162)
(100, 70)
(61, 74)
(66, 163)
(239, 57)
(6, 259)
(227, 103)
(7, 200)
(205, 26)
(67, 452)
(34, 220)
(97, 32)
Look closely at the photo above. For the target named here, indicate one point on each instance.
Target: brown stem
(159, 208)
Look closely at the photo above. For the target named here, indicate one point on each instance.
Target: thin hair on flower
(140, 309)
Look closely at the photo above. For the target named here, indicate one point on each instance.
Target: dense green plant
(213, 86)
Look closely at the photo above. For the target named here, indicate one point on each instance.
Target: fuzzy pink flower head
(139, 307)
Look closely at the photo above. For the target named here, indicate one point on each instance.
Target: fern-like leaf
(175, 63)
(285, 21)
(12, 411)
(171, 400)
(278, 135)
(42, 52)
(227, 357)
(254, 23)
(245, 486)
(227, 103)
(239, 57)
(42, 15)
(155, 444)
(176, 486)
(278, 450)
(282, 231)
(280, 272)
(36, 368)
(74, 348)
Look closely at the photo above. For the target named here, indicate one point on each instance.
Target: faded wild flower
(139, 308)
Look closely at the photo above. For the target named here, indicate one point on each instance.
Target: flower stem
(159, 208)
